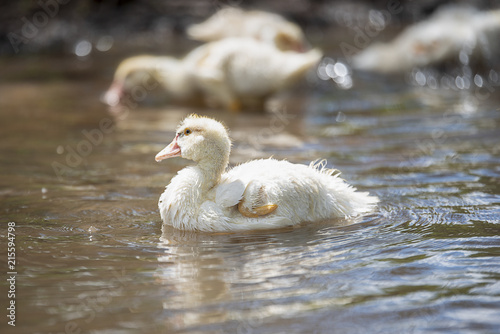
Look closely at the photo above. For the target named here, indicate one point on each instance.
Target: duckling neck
(210, 173)
(190, 188)
(198, 180)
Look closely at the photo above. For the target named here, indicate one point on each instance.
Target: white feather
(203, 197)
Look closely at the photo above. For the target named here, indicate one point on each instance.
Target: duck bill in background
(114, 94)
(172, 150)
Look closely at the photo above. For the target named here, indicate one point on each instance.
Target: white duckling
(259, 194)
(237, 72)
(263, 26)
(147, 71)
(440, 38)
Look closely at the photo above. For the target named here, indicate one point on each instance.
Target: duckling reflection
(223, 277)
(204, 276)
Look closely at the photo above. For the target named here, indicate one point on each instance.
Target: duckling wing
(255, 202)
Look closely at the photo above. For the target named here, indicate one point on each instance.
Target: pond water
(81, 185)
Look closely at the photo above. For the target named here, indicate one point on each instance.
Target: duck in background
(260, 194)
(232, 73)
(444, 36)
(267, 27)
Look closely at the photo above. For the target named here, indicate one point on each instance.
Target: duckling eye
(187, 132)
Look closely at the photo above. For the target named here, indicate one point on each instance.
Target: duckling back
(302, 193)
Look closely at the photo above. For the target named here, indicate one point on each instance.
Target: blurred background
(140, 26)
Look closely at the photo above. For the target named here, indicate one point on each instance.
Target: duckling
(263, 26)
(238, 72)
(440, 38)
(260, 194)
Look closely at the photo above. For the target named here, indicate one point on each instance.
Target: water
(92, 256)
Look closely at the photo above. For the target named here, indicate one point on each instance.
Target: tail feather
(320, 166)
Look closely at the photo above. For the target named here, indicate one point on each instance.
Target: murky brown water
(82, 185)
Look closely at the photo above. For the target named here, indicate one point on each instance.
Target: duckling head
(201, 139)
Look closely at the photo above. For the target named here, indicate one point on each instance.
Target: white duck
(440, 38)
(263, 26)
(237, 72)
(260, 194)
(147, 71)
